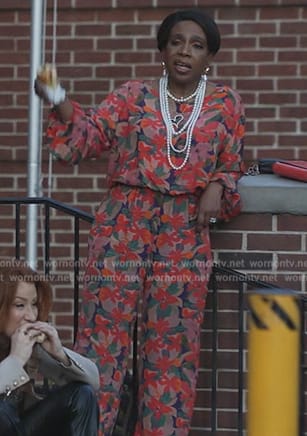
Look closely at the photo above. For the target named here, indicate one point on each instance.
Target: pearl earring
(207, 69)
(164, 72)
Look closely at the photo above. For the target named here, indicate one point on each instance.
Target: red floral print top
(129, 124)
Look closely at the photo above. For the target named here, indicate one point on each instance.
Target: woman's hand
(47, 85)
(55, 97)
(52, 343)
(40, 91)
(49, 94)
(22, 343)
(209, 204)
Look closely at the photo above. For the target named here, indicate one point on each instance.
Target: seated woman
(30, 346)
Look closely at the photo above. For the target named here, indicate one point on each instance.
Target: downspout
(34, 132)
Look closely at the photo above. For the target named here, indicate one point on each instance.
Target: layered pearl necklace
(199, 94)
(185, 99)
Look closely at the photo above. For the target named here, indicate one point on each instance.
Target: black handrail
(70, 210)
(49, 203)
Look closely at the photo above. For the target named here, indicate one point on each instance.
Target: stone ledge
(269, 193)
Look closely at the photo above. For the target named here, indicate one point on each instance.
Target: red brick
(278, 98)
(291, 84)
(221, 240)
(93, 4)
(260, 140)
(280, 13)
(274, 242)
(238, 42)
(133, 57)
(175, 3)
(92, 30)
(273, 69)
(278, 41)
(276, 126)
(257, 28)
(256, 84)
(255, 56)
(292, 140)
(293, 27)
(236, 70)
(294, 223)
(114, 43)
(235, 13)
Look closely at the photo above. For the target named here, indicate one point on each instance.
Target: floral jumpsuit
(143, 244)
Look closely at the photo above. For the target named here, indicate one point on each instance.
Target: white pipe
(34, 132)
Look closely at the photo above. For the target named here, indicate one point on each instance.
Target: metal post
(273, 363)
(34, 132)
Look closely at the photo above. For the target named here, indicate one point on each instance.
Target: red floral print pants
(143, 247)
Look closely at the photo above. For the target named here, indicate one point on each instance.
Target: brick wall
(101, 44)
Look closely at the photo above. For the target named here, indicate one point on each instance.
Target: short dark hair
(204, 20)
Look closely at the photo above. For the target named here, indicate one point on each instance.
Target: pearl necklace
(184, 99)
(188, 125)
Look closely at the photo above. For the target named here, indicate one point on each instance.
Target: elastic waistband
(182, 204)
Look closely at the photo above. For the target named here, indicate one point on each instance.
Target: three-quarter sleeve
(89, 133)
(230, 167)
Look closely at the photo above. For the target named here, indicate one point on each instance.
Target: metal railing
(49, 204)
(243, 283)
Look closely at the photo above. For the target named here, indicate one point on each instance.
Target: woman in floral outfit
(175, 156)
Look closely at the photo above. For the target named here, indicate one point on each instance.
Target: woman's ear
(209, 60)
